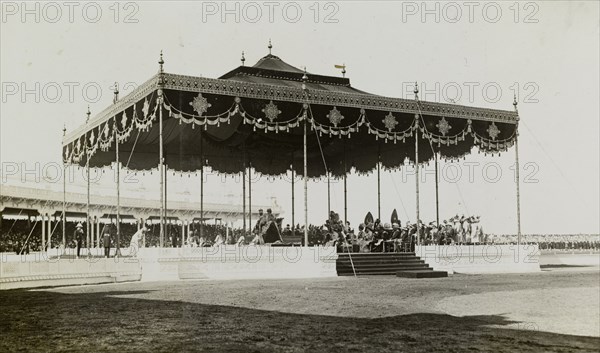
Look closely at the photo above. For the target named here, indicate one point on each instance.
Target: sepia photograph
(300, 176)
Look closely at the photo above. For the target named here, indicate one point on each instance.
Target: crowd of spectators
(23, 236)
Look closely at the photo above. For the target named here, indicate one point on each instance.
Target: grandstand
(30, 217)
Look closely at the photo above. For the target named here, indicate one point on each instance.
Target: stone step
(421, 274)
(390, 270)
(390, 265)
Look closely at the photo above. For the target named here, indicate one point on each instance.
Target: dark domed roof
(272, 62)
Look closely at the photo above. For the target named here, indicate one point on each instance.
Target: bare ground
(552, 311)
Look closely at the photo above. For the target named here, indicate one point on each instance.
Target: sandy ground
(550, 311)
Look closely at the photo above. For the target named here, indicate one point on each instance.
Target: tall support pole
(518, 188)
(379, 183)
(345, 189)
(64, 203)
(118, 172)
(64, 207)
(159, 101)
(293, 200)
(250, 194)
(517, 169)
(328, 193)
(48, 226)
(87, 206)
(417, 117)
(43, 224)
(437, 195)
(417, 177)
(201, 185)
(244, 190)
(98, 232)
(305, 187)
(305, 175)
(168, 224)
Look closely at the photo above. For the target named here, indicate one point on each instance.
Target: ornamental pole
(379, 182)
(118, 166)
(87, 206)
(305, 188)
(345, 189)
(517, 174)
(293, 208)
(201, 185)
(87, 210)
(244, 190)
(64, 213)
(437, 200)
(159, 102)
(416, 91)
(305, 176)
(250, 193)
(328, 193)
(118, 174)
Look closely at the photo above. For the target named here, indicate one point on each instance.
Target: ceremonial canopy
(255, 116)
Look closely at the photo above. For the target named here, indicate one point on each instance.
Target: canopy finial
(64, 129)
(416, 91)
(304, 79)
(270, 46)
(116, 97)
(88, 113)
(344, 70)
(515, 103)
(243, 58)
(161, 62)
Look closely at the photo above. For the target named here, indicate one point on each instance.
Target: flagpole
(293, 201)
(416, 91)
(159, 102)
(437, 199)
(201, 185)
(64, 204)
(244, 190)
(305, 176)
(379, 182)
(518, 181)
(250, 193)
(118, 174)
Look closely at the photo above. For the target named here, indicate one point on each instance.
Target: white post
(305, 188)
(98, 232)
(43, 223)
(161, 169)
(517, 175)
(49, 231)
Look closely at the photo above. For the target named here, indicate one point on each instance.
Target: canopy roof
(254, 116)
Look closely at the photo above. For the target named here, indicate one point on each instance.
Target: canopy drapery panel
(231, 124)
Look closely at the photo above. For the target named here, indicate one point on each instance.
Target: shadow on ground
(40, 321)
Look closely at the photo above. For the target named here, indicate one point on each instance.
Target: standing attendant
(106, 242)
(78, 237)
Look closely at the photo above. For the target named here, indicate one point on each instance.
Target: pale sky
(548, 51)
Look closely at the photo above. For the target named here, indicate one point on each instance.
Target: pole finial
(243, 58)
(515, 102)
(416, 90)
(64, 129)
(270, 46)
(304, 79)
(88, 113)
(116, 88)
(161, 62)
